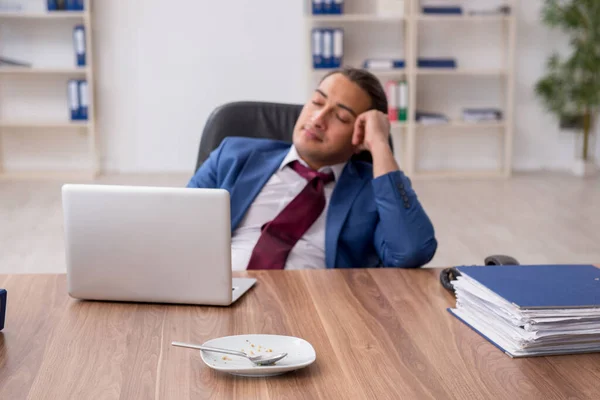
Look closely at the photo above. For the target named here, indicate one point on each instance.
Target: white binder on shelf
(338, 48)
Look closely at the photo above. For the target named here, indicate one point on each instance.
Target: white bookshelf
(35, 15)
(407, 135)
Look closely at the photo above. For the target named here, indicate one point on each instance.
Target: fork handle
(213, 349)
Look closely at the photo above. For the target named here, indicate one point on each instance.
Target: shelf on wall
(42, 71)
(355, 18)
(461, 71)
(43, 15)
(464, 124)
(464, 18)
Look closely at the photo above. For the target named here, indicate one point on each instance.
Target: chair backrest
(252, 119)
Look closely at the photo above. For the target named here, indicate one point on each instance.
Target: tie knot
(309, 174)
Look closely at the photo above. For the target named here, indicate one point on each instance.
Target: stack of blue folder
(532, 310)
(327, 7)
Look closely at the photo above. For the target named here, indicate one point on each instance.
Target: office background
(162, 68)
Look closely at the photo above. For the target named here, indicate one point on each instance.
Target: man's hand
(371, 129)
(371, 132)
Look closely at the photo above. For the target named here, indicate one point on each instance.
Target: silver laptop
(149, 244)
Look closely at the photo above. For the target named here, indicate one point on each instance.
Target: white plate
(300, 354)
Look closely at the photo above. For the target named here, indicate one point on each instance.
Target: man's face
(323, 132)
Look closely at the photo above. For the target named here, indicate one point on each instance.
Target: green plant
(571, 86)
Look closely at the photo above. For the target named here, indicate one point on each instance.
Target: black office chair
(253, 119)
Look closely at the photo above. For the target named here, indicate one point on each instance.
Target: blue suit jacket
(370, 222)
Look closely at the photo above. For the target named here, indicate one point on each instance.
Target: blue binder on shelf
(317, 7)
(536, 291)
(446, 10)
(338, 7)
(436, 63)
(82, 91)
(338, 48)
(52, 5)
(73, 99)
(327, 6)
(79, 45)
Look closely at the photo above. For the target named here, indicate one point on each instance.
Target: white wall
(161, 70)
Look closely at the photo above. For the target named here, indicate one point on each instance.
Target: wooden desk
(377, 333)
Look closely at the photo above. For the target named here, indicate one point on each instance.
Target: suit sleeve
(404, 236)
(206, 177)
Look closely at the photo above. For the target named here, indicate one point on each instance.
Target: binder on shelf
(445, 10)
(436, 63)
(402, 101)
(82, 87)
(73, 99)
(391, 88)
(317, 7)
(338, 48)
(79, 45)
(52, 5)
(70, 5)
(327, 48)
(373, 63)
(338, 7)
(327, 6)
(317, 48)
(61, 4)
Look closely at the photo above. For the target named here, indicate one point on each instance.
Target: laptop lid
(148, 244)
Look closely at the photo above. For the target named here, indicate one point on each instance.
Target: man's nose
(319, 119)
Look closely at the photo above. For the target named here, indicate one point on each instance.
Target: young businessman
(308, 205)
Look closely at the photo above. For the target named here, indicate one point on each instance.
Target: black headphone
(449, 274)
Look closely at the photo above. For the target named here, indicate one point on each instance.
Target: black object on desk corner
(2, 307)
(449, 274)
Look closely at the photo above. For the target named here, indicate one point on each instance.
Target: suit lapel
(346, 190)
(255, 173)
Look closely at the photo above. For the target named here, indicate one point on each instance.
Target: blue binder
(447, 10)
(79, 5)
(327, 6)
(541, 286)
(2, 308)
(338, 7)
(71, 5)
(79, 45)
(52, 5)
(317, 7)
(436, 63)
(82, 91)
(73, 99)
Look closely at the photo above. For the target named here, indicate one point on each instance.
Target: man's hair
(367, 82)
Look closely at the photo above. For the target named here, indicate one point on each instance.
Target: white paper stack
(532, 331)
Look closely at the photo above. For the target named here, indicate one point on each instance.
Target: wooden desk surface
(377, 333)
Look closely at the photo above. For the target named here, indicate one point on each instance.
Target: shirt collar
(293, 155)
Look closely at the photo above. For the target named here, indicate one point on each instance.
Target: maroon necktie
(279, 236)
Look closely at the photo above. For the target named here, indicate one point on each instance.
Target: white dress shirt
(283, 186)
